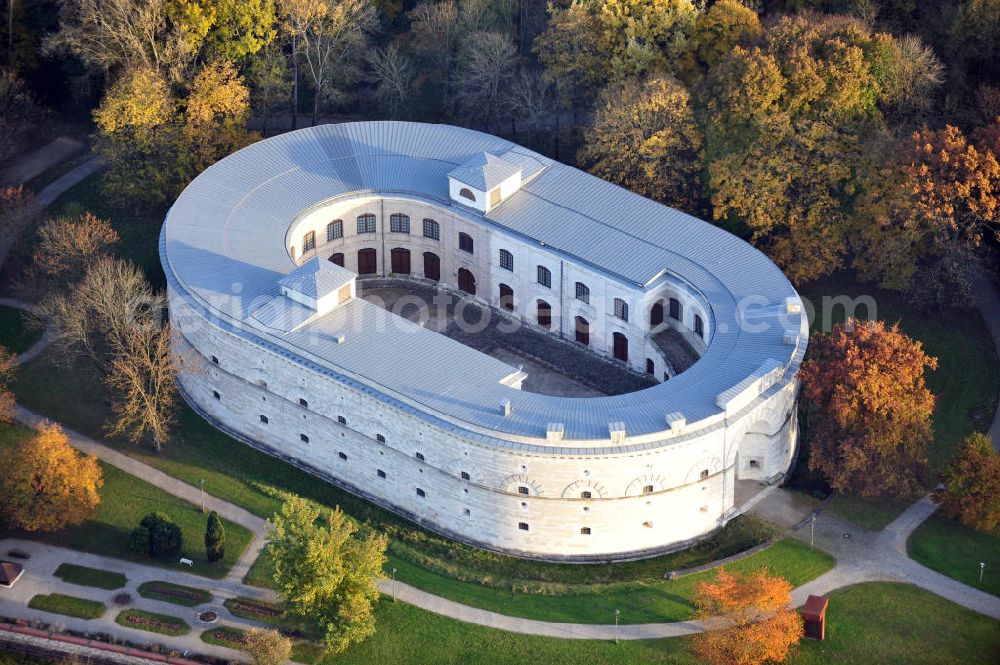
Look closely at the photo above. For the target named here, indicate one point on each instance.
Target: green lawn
(177, 594)
(639, 602)
(965, 383)
(95, 577)
(10, 658)
(16, 335)
(869, 624)
(125, 500)
(70, 606)
(164, 624)
(950, 548)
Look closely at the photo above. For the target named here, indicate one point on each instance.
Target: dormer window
(466, 193)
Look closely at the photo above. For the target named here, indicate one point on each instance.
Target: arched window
(506, 260)
(432, 229)
(650, 366)
(621, 309)
(582, 292)
(506, 297)
(544, 314)
(337, 259)
(309, 242)
(582, 331)
(400, 260)
(334, 230)
(620, 346)
(656, 314)
(466, 193)
(366, 223)
(675, 309)
(545, 277)
(699, 326)
(466, 281)
(465, 242)
(367, 261)
(432, 266)
(399, 223)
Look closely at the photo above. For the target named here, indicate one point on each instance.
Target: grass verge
(71, 606)
(177, 594)
(15, 333)
(871, 514)
(125, 499)
(948, 547)
(95, 577)
(164, 624)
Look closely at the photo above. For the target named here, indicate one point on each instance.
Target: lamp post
(202, 483)
(394, 585)
(812, 532)
(617, 614)
(982, 566)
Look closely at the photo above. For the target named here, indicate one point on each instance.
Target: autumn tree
(47, 485)
(869, 410)
(435, 31)
(66, 246)
(329, 37)
(748, 621)
(215, 538)
(266, 647)
(326, 571)
(971, 485)
(392, 72)
(7, 368)
(18, 210)
(570, 52)
(269, 81)
(484, 77)
(18, 113)
(644, 138)
(908, 72)
(727, 23)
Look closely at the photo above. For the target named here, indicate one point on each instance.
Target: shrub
(215, 538)
(161, 536)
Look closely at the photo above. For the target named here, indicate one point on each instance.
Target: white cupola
(484, 181)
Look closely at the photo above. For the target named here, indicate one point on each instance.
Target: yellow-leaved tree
(49, 485)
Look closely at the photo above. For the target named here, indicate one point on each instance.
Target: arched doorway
(399, 257)
(650, 367)
(506, 298)
(620, 346)
(337, 259)
(432, 266)
(583, 331)
(656, 314)
(367, 262)
(544, 314)
(466, 281)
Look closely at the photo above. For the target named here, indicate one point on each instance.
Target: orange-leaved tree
(48, 485)
(971, 492)
(747, 619)
(869, 410)
(6, 376)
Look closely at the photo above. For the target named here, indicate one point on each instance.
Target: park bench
(187, 562)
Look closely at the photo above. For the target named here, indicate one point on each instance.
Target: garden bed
(95, 577)
(174, 593)
(225, 636)
(154, 623)
(70, 606)
(256, 610)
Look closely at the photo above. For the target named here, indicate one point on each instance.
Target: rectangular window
(522, 490)
(621, 309)
(421, 493)
(309, 242)
(342, 420)
(263, 418)
(432, 229)
(582, 292)
(303, 438)
(506, 260)
(545, 277)
(420, 456)
(465, 475)
(699, 326)
(335, 230)
(381, 473)
(466, 512)
(585, 531)
(303, 402)
(216, 395)
(342, 456)
(215, 360)
(495, 197)
(366, 223)
(523, 526)
(380, 438)
(399, 223)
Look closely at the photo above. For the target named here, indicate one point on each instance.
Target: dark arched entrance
(656, 314)
(620, 346)
(506, 298)
(432, 266)
(399, 257)
(544, 314)
(367, 262)
(466, 281)
(583, 331)
(338, 259)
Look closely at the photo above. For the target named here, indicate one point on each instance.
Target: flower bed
(174, 593)
(152, 622)
(259, 610)
(224, 636)
(208, 616)
(122, 598)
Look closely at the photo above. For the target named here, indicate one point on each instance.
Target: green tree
(727, 23)
(644, 137)
(164, 536)
(215, 538)
(326, 572)
(971, 492)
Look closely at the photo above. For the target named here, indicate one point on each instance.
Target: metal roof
(316, 278)
(484, 171)
(223, 248)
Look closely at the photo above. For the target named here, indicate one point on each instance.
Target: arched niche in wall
(513, 484)
(576, 489)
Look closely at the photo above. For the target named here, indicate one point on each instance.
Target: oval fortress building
(263, 253)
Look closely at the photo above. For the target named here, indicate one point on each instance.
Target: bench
(187, 562)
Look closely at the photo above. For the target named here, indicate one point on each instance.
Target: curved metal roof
(223, 246)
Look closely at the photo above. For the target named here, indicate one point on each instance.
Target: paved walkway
(35, 163)
(60, 185)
